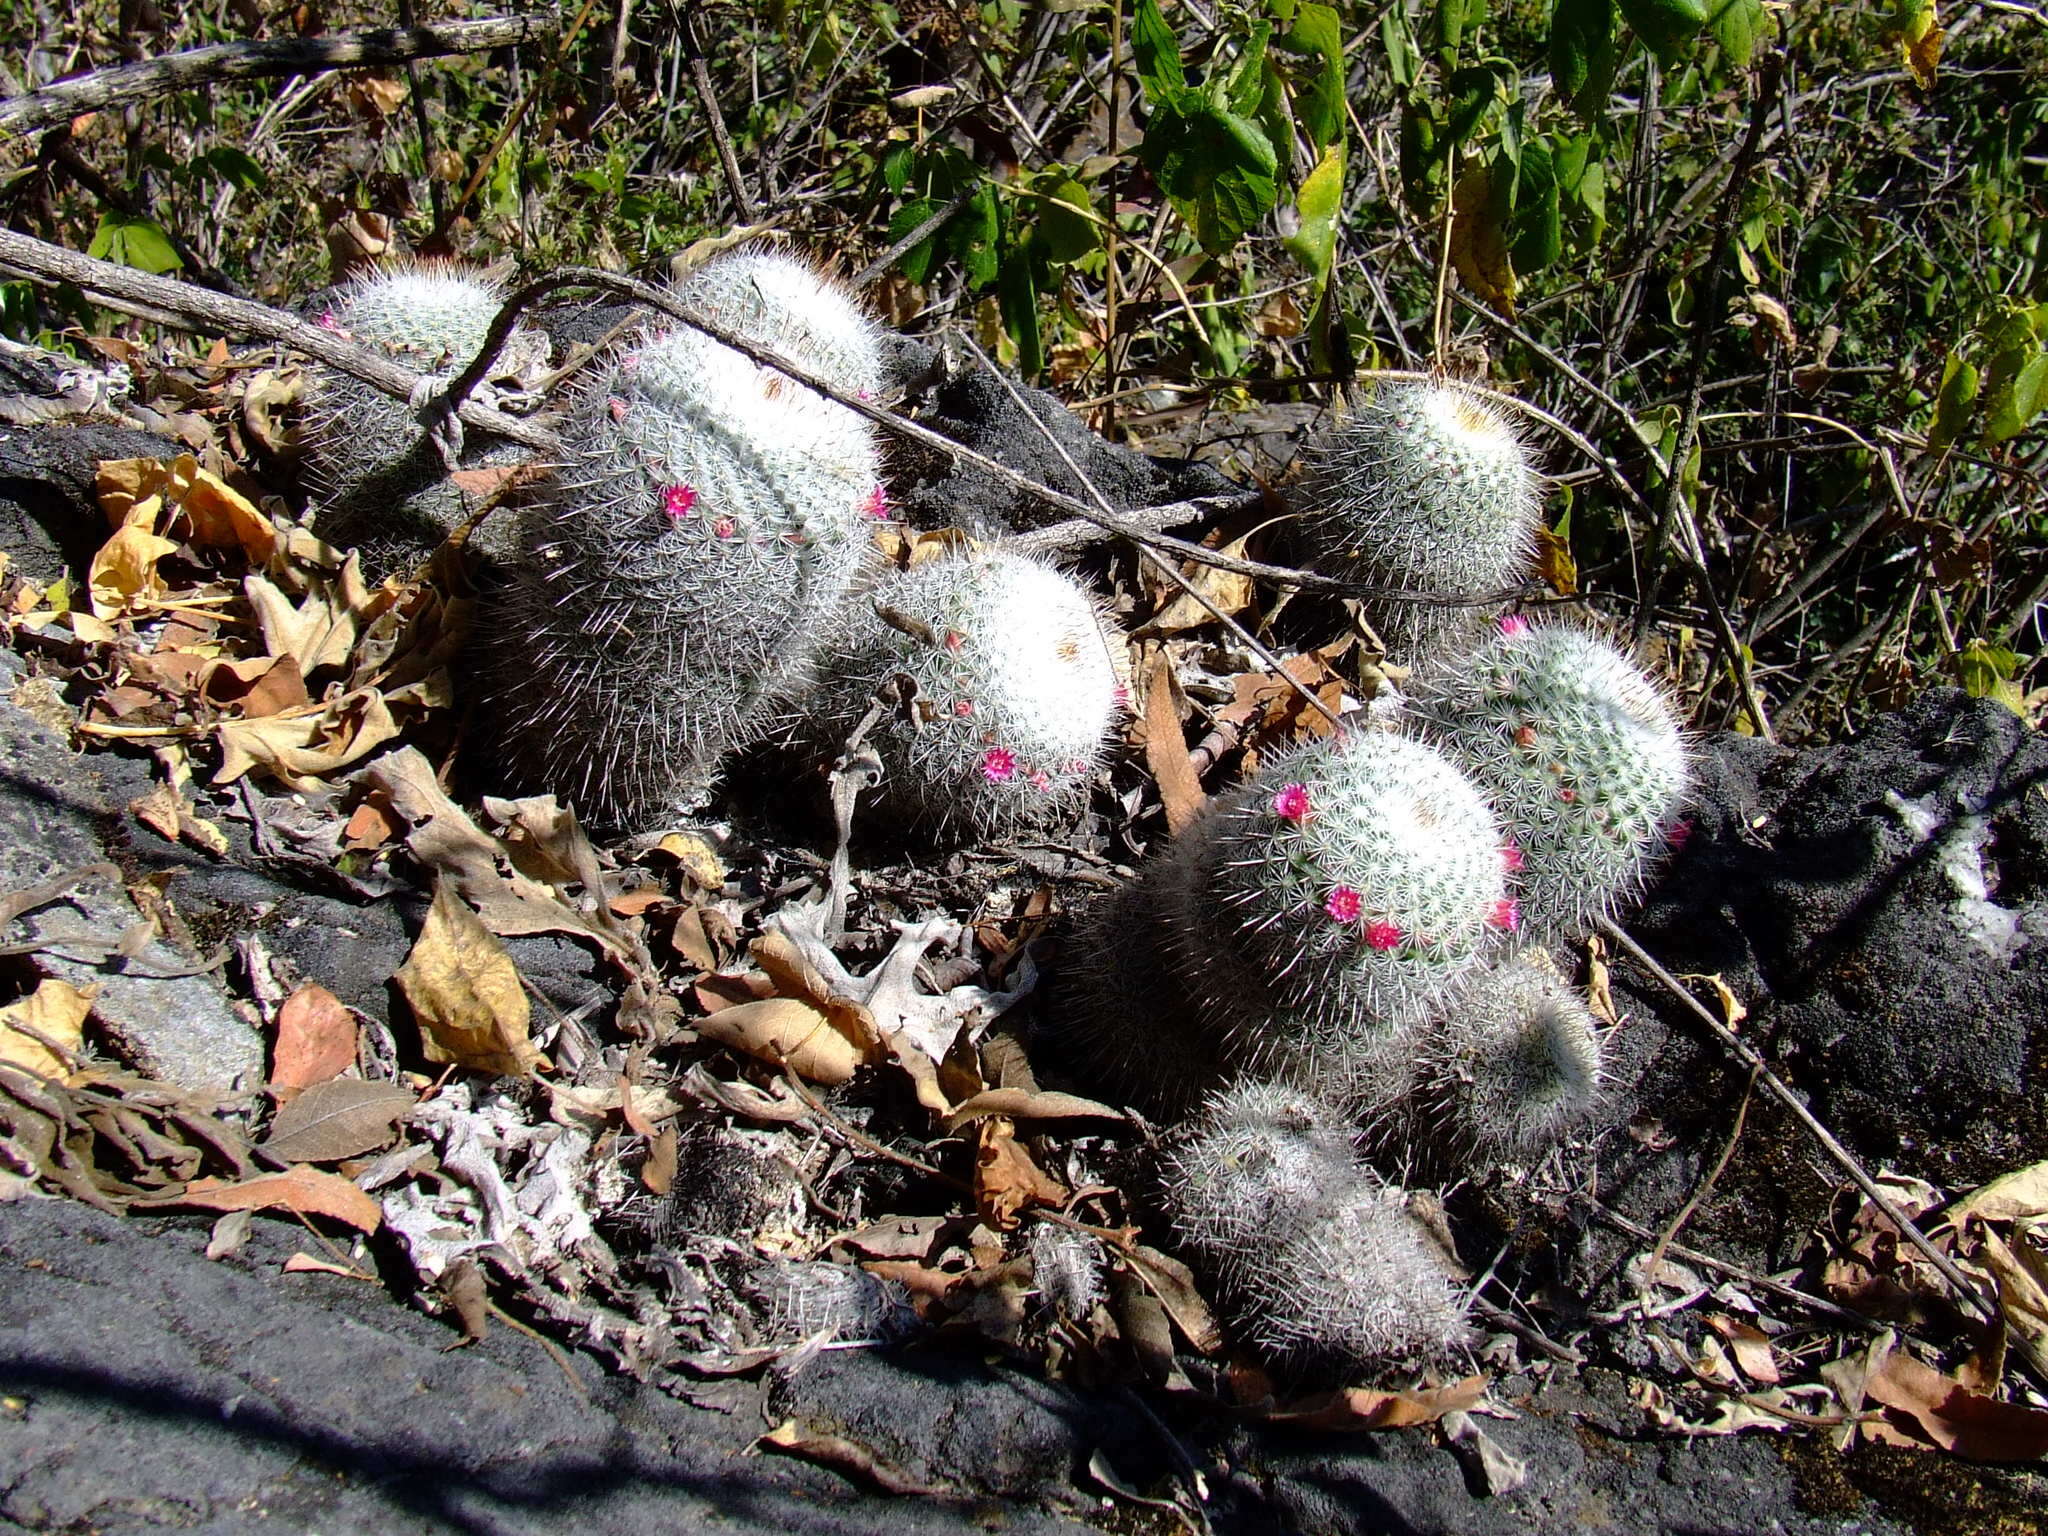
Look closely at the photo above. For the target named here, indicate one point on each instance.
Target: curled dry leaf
(1750, 1346)
(342, 1117)
(789, 1031)
(1228, 591)
(202, 507)
(1166, 751)
(466, 993)
(1365, 1408)
(1029, 1104)
(1953, 1417)
(316, 1040)
(593, 1107)
(123, 578)
(847, 1457)
(1174, 1284)
(1006, 1180)
(304, 746)
(307, 1191)
(50, 1024)
(320, 629)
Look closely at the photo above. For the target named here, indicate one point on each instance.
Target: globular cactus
(709, 518)
(378, 481)
(1508, 1071)
(1018, 682)
(1319, 1263)
(1067, 1268)
(1580, 753)
(804, 1300)
(785, 304)
(1426, 489)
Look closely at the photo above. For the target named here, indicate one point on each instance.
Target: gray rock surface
(180, 1028)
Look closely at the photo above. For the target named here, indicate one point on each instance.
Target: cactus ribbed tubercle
(1511, 1067)
(786, 305)
(1580, 753)
(376, 477)
(1018, 683)
(710, 516)
(1425, 488)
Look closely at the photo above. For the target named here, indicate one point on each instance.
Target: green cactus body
(1581, 755)
(710, 517)
(1317, 913)
(1427, 489)
(378, 481)
(1018, 684)
(788, 306)
(1319, 1263)
(1510, 1069)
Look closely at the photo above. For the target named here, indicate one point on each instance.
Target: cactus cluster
(1425, 489)
(1319, 1262)
(709, 519)
(1017, 676)
(1579, 752)
(377, 479)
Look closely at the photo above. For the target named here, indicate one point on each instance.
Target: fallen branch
(58, 103)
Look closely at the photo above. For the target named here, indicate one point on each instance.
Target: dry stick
(874, 271)
(1706, 321)
(512, 121)
(198, 309)
(1699, 1196)
(241, 61)
(1164, 567)
(2030, 1354)
(700, 80)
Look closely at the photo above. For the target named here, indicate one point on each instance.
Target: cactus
(788, 306)
(378, 480)
(1581, 755)
(800, 1300)
(1316, 914)
(1512, 1066)
(1017, 676)
(709, 519)
(1066, 1267)
(1319, 1263)
(1426, 488)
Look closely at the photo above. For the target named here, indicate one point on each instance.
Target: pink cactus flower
(723, 527)
(1041, 781)
(1568, 795)
(999, 765)
(677, 500)
(877, 503)
(616, 407)
(963, 707)
(1513, 626)
(1120, 696)
(1506, 914)
(1511, 859)
(954, 639)
(328, 322)
(1678, 834)
(1344, 904)
(1383, 935)
(864, 394)
(1291, 804)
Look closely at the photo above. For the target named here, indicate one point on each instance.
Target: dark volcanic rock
(50, 520)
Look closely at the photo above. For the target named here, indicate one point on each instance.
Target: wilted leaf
(847, 1457)
(786, 1031)
(1366, 1408)
(1028, 1104)
(320, 629)
(1230, 592)
(316, 1040)
(658, 1172)
(1919, 39)
(342, 1117)
(124, 577)
(1166, 752)
(2018, 1196)
(1554, 562)
(1956, 1419)
(1750, 1346)
(696, 857)
(1479, 242)
(56, 1011)
(308, 1191)
(466, 993)
(1006, 1180)
(593, 1106)
(1174, 1284)
(302, 746)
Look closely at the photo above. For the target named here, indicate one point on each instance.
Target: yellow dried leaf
(124, 577)
(301, 745)
(320, 630)
(466, 994)
(787, 1031)
(698, 859)
(1554, 562)
(1230, 592)
(1479, 243)
(56, 1010)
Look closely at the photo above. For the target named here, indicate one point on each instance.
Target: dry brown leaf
(342, 1117)
(124, 577)
(1166, 751)
(2018, 1196)
(697, 859)
(704, 936)
(1174, 1284)
(306, 1264)
(56, 1012)
(637, 903)
(786, 1031)
(1554, 562)
(1968, 1423)
(177, 495)
(316, 1040)
(1366, 1408)
(1230, 592)
(658, 1173)
(1006, 1180)
(266, 398)
(302, 746)
(593, 1107)
(846, 1457)
(320, 629)
(308, 1191)
(923, 1073)
(259, 686)
(1750, 1345)
(466, 993)
(1028, 1104)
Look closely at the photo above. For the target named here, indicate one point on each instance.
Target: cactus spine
(1580, 753)
(378, 480)
(710, 517)
(1319, 1263)
(787, 306)
(1017, 676)
(1425, 488)
(1510, 1069)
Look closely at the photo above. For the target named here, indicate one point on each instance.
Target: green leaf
(2012, 400)
(1017, 298)
(1454, 18)
(1217, 168)
(1321, 201)
(1158, 55)
(1959, 381)
(1473, 92)
(1536, 231)
(1317, 39)
(1068, 236)
(136, 243)
(1584, 48)
(1668, 28)
(896, 167)
(1736, 26)
(973, 234)
(915, 263)
(236, 168)
(1245, 87)
(1582, 186)
(1402, 60)
(1987, 672)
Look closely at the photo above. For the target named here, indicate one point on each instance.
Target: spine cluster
(378, 480)
(1017, 678)
(709, 519)
(1426, 489)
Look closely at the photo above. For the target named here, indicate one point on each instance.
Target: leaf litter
(534, 1159)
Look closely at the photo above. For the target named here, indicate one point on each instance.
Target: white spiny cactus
(785, 304)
